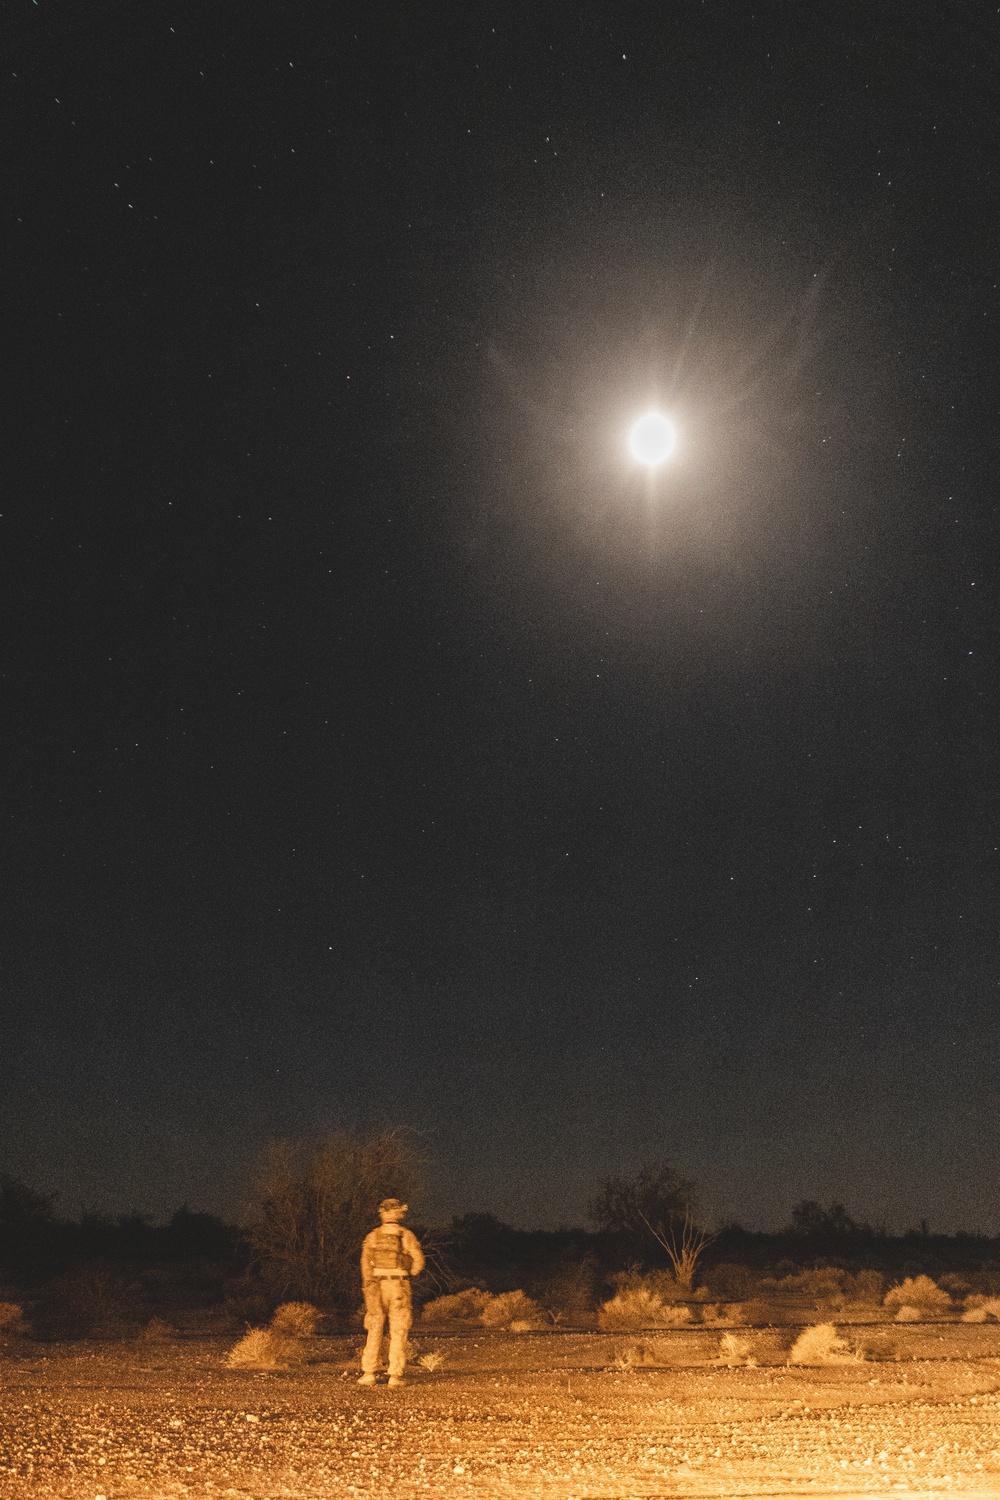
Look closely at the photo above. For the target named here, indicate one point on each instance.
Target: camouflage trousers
(387, 1298)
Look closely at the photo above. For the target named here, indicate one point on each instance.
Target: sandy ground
(516, 1416)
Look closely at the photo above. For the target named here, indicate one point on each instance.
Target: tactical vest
(388, 1256)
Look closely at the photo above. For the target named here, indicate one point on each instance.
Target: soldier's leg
(400, 1321)
(375, 1323)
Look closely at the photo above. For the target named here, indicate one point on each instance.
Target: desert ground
(559, 1415)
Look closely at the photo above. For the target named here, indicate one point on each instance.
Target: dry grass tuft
(820, 1345)
(432, 1360)
(648, 1353)
(157, 1331)
(735, 1349)
(262, 1349)
(296, 1320)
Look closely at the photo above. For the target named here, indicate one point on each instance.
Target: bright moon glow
(652, 439)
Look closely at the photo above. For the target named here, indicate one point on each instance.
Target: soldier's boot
(366, 1379)
(396, 1380)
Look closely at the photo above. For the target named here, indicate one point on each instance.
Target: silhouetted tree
(191, 1235)
(654, 1194)
(655, 1201)
(27, 1225)
(809, 1217)
(317, 1199)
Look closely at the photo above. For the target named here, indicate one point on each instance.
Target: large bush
(653, 1196)
(727, 1282)
(512, 1310)
(317, 1199)
(655, 1203)
(569, 1289)
(459, 1307)
(916, 1298)
(96, 1301)
(978, 1309)
(643, 1302)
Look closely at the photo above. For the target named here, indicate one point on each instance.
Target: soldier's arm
(412, 1247)
(367, 1260)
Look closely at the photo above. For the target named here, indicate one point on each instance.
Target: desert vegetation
(535, 1356)
(315, 1200)
(280, 1344)
(312, 1201)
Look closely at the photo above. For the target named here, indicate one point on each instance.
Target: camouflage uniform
(390, 1255)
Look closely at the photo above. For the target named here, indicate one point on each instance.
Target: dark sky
(378, 745)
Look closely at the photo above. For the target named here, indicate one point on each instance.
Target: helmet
(392, 1206)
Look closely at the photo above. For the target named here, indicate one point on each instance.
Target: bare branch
(684, 1249)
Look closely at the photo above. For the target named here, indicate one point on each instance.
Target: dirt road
(555, 1418)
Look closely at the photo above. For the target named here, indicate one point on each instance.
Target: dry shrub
(919, 1295)
(569, 1289)
(820, 1283)
(820, 1345)
(677, 1316)
(641, 1307)
(510, 1308)
(711, 1313)
(316, 1201)
(979, 1309)
(631, 1358)
(735, 1349)
(296, 1320)
(97, 1301)
(262, 1349)
(460, 1307)
(157, 1331)
(985, 1282)
(648, 1352)
(761, 1314)
(245, 1302)
(663, 1284)
(12, 1319)
(865, 1288)
(727, 1282)
(432, 1360)
(831, 1287)
(875, 1345)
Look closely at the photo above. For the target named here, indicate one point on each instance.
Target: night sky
(379, 744)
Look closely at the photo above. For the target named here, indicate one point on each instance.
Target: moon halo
(652, 439)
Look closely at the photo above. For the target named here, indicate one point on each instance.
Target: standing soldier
(390, 1255)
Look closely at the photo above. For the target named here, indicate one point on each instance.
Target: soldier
(390, 1255)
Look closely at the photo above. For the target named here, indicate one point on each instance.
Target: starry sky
(379, 745)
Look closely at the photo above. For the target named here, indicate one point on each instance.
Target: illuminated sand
(506, 1416)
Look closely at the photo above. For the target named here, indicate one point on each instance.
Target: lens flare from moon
(652, 439)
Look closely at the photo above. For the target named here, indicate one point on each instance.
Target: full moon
(652, 439)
